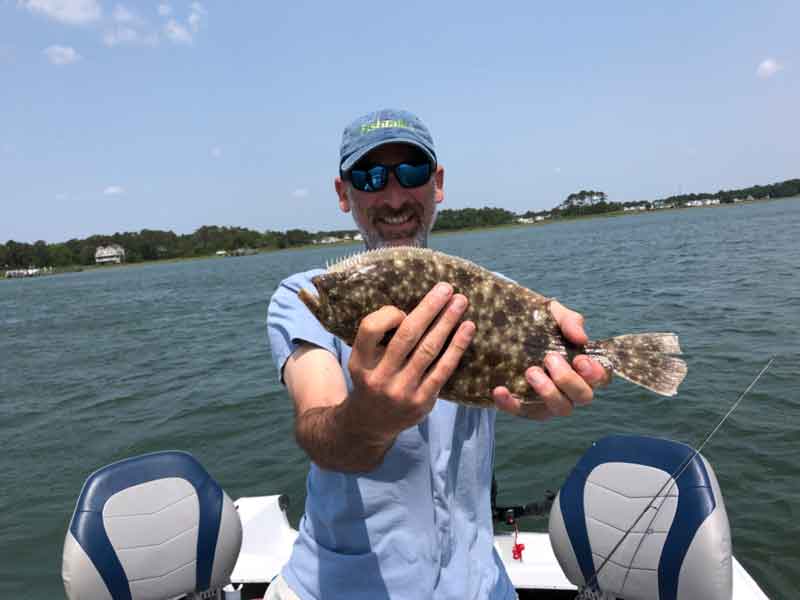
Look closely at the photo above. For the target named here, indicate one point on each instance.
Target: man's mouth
(388, 227)
(396, 219)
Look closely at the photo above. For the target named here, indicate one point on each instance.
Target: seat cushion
(153, 526)
(646, 517)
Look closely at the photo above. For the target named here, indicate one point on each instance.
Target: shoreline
(604, 215)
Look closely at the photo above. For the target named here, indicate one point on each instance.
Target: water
(102, 365)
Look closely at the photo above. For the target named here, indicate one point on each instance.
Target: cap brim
(348, 162)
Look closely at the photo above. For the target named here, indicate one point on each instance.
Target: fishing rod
(671, 482)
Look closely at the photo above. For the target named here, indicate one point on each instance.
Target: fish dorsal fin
(360, 259)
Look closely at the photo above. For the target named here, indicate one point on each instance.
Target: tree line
(152, 244)
(784, 189)
(465, 218)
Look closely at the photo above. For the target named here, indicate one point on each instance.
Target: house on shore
(109, 254)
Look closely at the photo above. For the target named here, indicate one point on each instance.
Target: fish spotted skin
(514, 326)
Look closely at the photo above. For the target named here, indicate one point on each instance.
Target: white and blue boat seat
(680, 546)
(148, 528)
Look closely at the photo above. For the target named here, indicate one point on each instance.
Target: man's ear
(438, 180)
(341, 191)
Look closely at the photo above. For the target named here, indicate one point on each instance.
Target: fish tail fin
(643, 359)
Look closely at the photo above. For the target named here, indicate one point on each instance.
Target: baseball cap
(381, 127)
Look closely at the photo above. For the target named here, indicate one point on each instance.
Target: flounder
(514, 326)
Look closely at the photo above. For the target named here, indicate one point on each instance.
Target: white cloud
(197, 13)
(177, 33)
(113, 190)
(120, 35)
(71, 12)
(194, 22)
(300, 193)
(129, 29)
(216, 151)
(123, 15)
(768, 67)
(61, 55)
(557, 170)
(129, 35)
(123, 25)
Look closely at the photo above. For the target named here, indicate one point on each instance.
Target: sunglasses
(374, 178)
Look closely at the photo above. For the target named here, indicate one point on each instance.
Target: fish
(514, 326)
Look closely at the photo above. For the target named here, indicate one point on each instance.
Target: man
(398, 502)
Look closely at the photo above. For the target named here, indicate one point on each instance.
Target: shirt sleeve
(290, 323)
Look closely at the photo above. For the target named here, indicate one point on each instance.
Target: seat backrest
(679, 548)
(148, 528)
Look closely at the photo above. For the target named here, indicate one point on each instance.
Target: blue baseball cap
(386, 126)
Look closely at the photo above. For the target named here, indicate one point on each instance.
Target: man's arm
(394, 386)
(317, 385)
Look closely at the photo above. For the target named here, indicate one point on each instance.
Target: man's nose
(395, 195)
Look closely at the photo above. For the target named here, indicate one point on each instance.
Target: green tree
(19, 254)
(298, 237)
(41, 254)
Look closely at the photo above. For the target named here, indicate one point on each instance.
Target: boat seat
(150, 527)
(680, 548)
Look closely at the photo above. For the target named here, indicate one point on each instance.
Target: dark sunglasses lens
(412, 175)
(371, 180)
(378, 176)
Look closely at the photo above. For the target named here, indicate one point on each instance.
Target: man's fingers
(558, 403)
(571, 385)
(446, 365)
(417, 322)
(592, 371)
(371, 331)
(432, 343)
(570, 322)
(504, 400)
(572, 326)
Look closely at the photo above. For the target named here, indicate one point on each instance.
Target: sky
(122, 116)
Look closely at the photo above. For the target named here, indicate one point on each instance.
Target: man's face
(393, 216)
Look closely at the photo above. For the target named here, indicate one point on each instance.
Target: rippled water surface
(102, 365)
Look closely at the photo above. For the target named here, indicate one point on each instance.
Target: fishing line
(672, 480)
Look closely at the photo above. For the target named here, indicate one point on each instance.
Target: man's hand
(562, 385)
(396, 386)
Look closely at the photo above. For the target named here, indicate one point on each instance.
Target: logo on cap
(385, 124)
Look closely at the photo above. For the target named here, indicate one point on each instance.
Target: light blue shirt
(418, 526)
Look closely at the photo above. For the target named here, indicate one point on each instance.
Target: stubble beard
(373, 240)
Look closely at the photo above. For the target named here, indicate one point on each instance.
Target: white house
(109, 254)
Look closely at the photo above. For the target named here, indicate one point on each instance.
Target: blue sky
(174, 114)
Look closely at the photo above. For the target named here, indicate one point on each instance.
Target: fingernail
(552, 360)
(584, 367)
(443, 289)
(459, 302)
